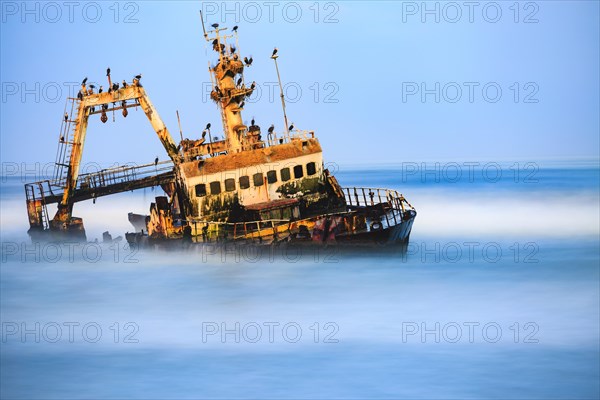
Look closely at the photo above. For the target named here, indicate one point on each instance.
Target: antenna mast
(285, 120)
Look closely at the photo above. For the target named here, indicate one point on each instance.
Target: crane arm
(89, 103)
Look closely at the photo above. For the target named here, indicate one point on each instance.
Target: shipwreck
(252, 185)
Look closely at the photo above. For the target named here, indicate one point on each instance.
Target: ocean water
(497, 297)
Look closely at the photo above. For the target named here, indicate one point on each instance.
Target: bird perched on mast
(235, 28)
(108, 71)
(84, 81)
(274, 53)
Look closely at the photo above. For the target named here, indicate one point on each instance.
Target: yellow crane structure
(71, 144)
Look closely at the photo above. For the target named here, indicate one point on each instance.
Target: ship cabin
(274, 180)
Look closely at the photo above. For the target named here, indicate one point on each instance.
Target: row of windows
(257, 179)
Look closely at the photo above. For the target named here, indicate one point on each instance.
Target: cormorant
(62, 139)
(84, 81)
(252, 122)
(138, 76)
(124, 83)
(215, 25)
(250, 61)
(239, 82)
(208, 126)
(246, 61)
(66, 117)
(203, 134)
(274, 52)
(115, 86)
(242, 104)
(107, 71)
(155, 161)
(291, 128)
(232, 49)
(253, 85)
(271, 128)
(80, 95)
(100, 90)
(92, 87)
(235, 28)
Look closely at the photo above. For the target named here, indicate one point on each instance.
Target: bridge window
(272, 176)
(258, 179)
(229, 185)
(298, 172)
(285, 174)
(244, 182)
(215, 187)
(201, 190)
(311, 168)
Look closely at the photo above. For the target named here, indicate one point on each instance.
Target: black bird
(138, 77)
(239, 82)
(242, 104)
(253, 85)
(246, 61)
(124, 83)
(232, 49)
(84, 81)
(291, 128)
(62, 139)
(155, 161)
(92, 87)
(252, 122)
(250, 61)
(107, 71)
(100, 90)
(235, 28)
(215, 25)
(115, 86)
(66, 119)
(274, 52)
(80, 95)
(203, 134)
(271, 128)
(208, 126)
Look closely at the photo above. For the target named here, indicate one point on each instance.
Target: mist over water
(497, 296)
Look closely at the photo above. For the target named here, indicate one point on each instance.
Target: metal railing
(393, 204)
(122, 174)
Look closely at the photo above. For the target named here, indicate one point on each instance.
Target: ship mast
(285, 120)
(226, 91)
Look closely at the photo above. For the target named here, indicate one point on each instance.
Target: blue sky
(356, 63)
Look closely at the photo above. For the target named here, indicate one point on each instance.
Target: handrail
(364, 197)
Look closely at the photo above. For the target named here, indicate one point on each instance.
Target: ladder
(66, 141)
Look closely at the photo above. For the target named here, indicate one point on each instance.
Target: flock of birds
(137, 78)
(115, 86)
